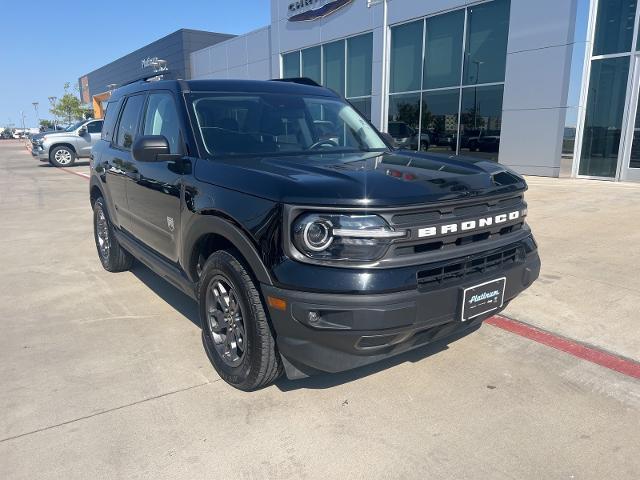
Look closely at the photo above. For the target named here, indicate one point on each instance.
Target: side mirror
(389, 139)
(82, 131)
(150, 148)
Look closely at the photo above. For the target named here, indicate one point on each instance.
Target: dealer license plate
(483, 298)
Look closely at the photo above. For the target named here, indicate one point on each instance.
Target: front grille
(442, 214)
(471, 266)
(413, 221)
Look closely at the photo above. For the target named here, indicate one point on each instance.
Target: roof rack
(299, 80)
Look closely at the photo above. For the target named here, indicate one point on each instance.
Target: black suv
(310, 244)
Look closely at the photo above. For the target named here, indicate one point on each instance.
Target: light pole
(52, 101)
(24, 128)
(35, 107)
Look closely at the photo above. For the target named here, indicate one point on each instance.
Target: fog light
(314, 317)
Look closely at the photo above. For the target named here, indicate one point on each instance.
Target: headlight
(360, 238)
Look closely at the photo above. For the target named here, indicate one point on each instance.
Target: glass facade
(614, 54)
(334, 66)
(311, 64)
(614, 26)
(603, 121)
(446, 87)
(344, 66)
(443, 50)
(291, 65)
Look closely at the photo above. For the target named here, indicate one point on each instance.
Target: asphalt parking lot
(104, 376)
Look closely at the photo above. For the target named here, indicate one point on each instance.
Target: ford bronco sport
(309, 243)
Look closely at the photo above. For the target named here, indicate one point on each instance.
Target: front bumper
(349, 331)
(39, 153)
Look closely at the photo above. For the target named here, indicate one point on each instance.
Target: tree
(68, 107)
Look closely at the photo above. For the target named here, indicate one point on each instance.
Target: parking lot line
(591, 354)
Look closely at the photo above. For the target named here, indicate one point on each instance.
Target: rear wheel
(235, 330)
(62, 156)
(112, 256)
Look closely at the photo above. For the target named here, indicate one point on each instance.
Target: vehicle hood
(363, 179)
(48, 135)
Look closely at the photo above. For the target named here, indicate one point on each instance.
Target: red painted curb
(594, 355)
(83, 175)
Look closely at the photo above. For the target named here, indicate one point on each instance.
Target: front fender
(201, 225)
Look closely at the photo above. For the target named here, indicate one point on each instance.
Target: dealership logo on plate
(307, 10)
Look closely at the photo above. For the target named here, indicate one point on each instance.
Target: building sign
(148, 62)
(84, 89)
(157, 64)
(307, 10)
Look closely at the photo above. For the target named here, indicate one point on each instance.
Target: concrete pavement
(104, 376)
(589, 239)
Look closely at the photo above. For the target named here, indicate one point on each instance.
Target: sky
(44, 44)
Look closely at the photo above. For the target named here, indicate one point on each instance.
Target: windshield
(276, 124)
(74, 127)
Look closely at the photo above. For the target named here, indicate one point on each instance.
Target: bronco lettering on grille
(470, 225)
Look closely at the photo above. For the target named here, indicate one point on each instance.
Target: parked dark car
(308, 247)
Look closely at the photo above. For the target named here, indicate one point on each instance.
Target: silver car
(61, 149)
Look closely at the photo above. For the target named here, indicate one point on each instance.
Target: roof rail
(299, 80)
(146, 77)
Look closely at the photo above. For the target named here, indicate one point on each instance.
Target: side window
(94, 127)
(128, 127)
(161, 118)
(110, 119)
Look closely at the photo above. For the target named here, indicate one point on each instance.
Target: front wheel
(424, 146)
(235, 330)
(62, 157)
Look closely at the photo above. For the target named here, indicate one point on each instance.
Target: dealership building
(547, 87)
(172, 52)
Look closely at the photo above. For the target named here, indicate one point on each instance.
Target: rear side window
(94, 127)
(128, 127)
(110, 119)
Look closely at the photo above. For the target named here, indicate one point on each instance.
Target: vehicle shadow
(179, 301)
(77, 164)
(329, 380)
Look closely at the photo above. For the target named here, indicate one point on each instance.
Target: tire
(62, 156)
(235, 330)
(112, 256)
(424, 146)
